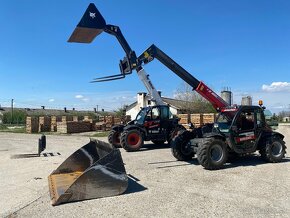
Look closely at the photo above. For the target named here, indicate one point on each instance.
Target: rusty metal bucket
(95, 170)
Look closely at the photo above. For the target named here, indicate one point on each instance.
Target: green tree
(19, 117)
(120, 112)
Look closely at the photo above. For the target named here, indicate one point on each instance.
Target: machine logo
(92, 15)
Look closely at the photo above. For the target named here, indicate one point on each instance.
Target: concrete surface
(166, 187)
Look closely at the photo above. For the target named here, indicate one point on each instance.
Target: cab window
(164, 113)
(245, 121)
(260, 119)
(155, 114)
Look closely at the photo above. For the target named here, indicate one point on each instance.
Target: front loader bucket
(95, 170)
(91, 25)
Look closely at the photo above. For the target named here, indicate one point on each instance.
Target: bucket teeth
(95, 170)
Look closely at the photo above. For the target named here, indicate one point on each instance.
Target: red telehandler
(238, 129)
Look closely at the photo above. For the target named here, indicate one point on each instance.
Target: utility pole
(12, 110)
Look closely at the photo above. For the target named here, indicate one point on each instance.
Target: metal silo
(226, 95)
(247, 100)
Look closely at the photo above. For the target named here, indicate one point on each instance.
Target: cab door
(152, 121)
(244, 137)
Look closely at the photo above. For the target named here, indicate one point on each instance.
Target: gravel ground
(165, 187)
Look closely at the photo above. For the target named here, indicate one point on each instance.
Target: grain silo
(226, 95)
(247, 100)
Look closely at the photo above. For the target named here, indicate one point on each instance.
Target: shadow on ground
(245, 161)
(19, 156)
(152, 146)
(133, 185)
(250, 160)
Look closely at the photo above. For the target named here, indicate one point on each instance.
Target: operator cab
(242, 127)
(243, 119)
(153, 113)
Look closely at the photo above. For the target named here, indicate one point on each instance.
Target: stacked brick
(75, 118)
(209, 118)
(66, 118)
(44, 124)
(196, 119)
(110, 122)
(184, 118)
(32, 125)
(107, 122)
(74, 127)
(53, 124)
(72, 124)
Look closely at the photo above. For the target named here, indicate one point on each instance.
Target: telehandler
(97, 169)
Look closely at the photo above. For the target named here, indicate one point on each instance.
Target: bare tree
(193, 102)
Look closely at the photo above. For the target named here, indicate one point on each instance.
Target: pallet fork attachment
(95, 170)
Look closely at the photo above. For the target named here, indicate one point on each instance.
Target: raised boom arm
(154, 52)
(93, 23)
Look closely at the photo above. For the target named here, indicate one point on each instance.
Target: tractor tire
(212, 154)
(178, 129)
(274, 150)
(114, 138)
(132, 140)
(158, 142)
(181, 148)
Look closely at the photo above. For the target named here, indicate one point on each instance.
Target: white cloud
(277, 87)
(51, 100)
(79, 96)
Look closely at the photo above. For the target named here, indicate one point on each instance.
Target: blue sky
(242, 44)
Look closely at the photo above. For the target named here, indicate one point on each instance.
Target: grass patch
(12, 128)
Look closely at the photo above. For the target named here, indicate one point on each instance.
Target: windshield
(223, 122)
(141, 115)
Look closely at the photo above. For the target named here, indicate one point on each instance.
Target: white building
(286, 119)
(143, 100)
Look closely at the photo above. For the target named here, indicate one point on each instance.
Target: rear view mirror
(91, 25)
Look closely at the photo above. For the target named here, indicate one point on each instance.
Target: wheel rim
(276, 149)
(133, 140)
(186, 149)
(216, 153)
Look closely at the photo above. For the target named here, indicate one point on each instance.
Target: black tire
(212, 154)
(158, 142)
(114, 138)
(175, 132)
(274, 150)
(180, 146)
(132, 140)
